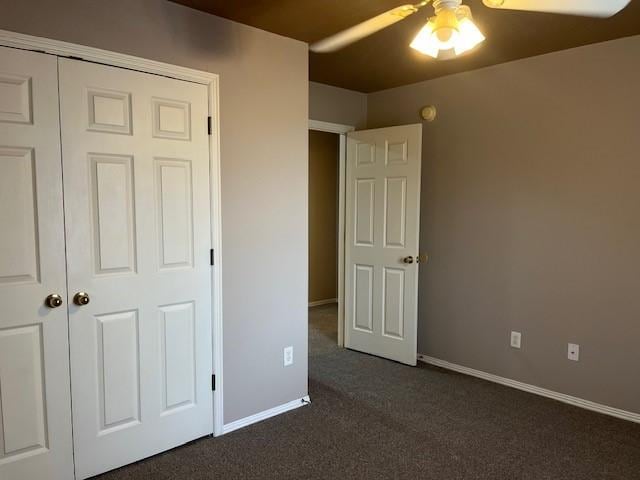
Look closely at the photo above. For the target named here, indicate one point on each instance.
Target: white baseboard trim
(317, 303)
(272, 412)
(561, 397)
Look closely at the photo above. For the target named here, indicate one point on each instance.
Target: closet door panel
(35, 405)
(137, 204)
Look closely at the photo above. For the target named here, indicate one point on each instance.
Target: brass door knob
(408, 259)
(53, 301)
(81, 298)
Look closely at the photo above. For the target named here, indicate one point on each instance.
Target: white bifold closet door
(137, 208)
(35, 408)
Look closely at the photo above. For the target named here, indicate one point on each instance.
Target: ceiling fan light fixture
(435, 36)
(450, 29)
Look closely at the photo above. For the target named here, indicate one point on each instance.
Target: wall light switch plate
(288, 356)
(574, 352)
(516, 339)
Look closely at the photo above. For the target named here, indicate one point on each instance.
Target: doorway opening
(327, 152)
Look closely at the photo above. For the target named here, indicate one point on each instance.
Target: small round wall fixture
(428, 113)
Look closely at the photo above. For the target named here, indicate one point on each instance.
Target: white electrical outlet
(288, 356)
(574, 352)
(516, 339)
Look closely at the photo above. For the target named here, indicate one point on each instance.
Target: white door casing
(137, 206)
(35, 413)
(381, 230)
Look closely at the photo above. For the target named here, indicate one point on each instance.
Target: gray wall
(337, 105)
(264, 113)
(531, 216)
(323, 215)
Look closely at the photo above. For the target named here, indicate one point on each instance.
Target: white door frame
(342, 131)
(211, 81)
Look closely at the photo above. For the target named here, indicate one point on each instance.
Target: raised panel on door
(395, 211)
(137, 203)
(118, 370)
(381, 231)
(365, 211)
(393, 295)
(109, 111)
(113, 213)
(20, 262)
(16, 99)
(171, 119)
(363, 298)
(35, 408)
(178, 356)
(174, 204)
(396, 152)
(22, 396)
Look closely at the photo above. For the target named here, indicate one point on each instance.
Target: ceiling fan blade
(364, 29)
(586, 8)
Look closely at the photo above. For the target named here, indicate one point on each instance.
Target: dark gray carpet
(376, 419)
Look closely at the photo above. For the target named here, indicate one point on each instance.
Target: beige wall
(264, 113)
(531, 216)
(337, 105)
(323, 218)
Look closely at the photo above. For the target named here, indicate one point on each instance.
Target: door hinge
(209, 125)
(211, 257)
(213, 383)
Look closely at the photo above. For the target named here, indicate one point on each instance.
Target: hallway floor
(375, 419)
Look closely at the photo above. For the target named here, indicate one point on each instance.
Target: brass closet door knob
(81, 298)
(408, 259)
(53, 301)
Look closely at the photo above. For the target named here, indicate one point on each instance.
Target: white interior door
(35, 408)
(381, 236)
(137, 206)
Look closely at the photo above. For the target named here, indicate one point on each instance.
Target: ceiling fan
(451, 31)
